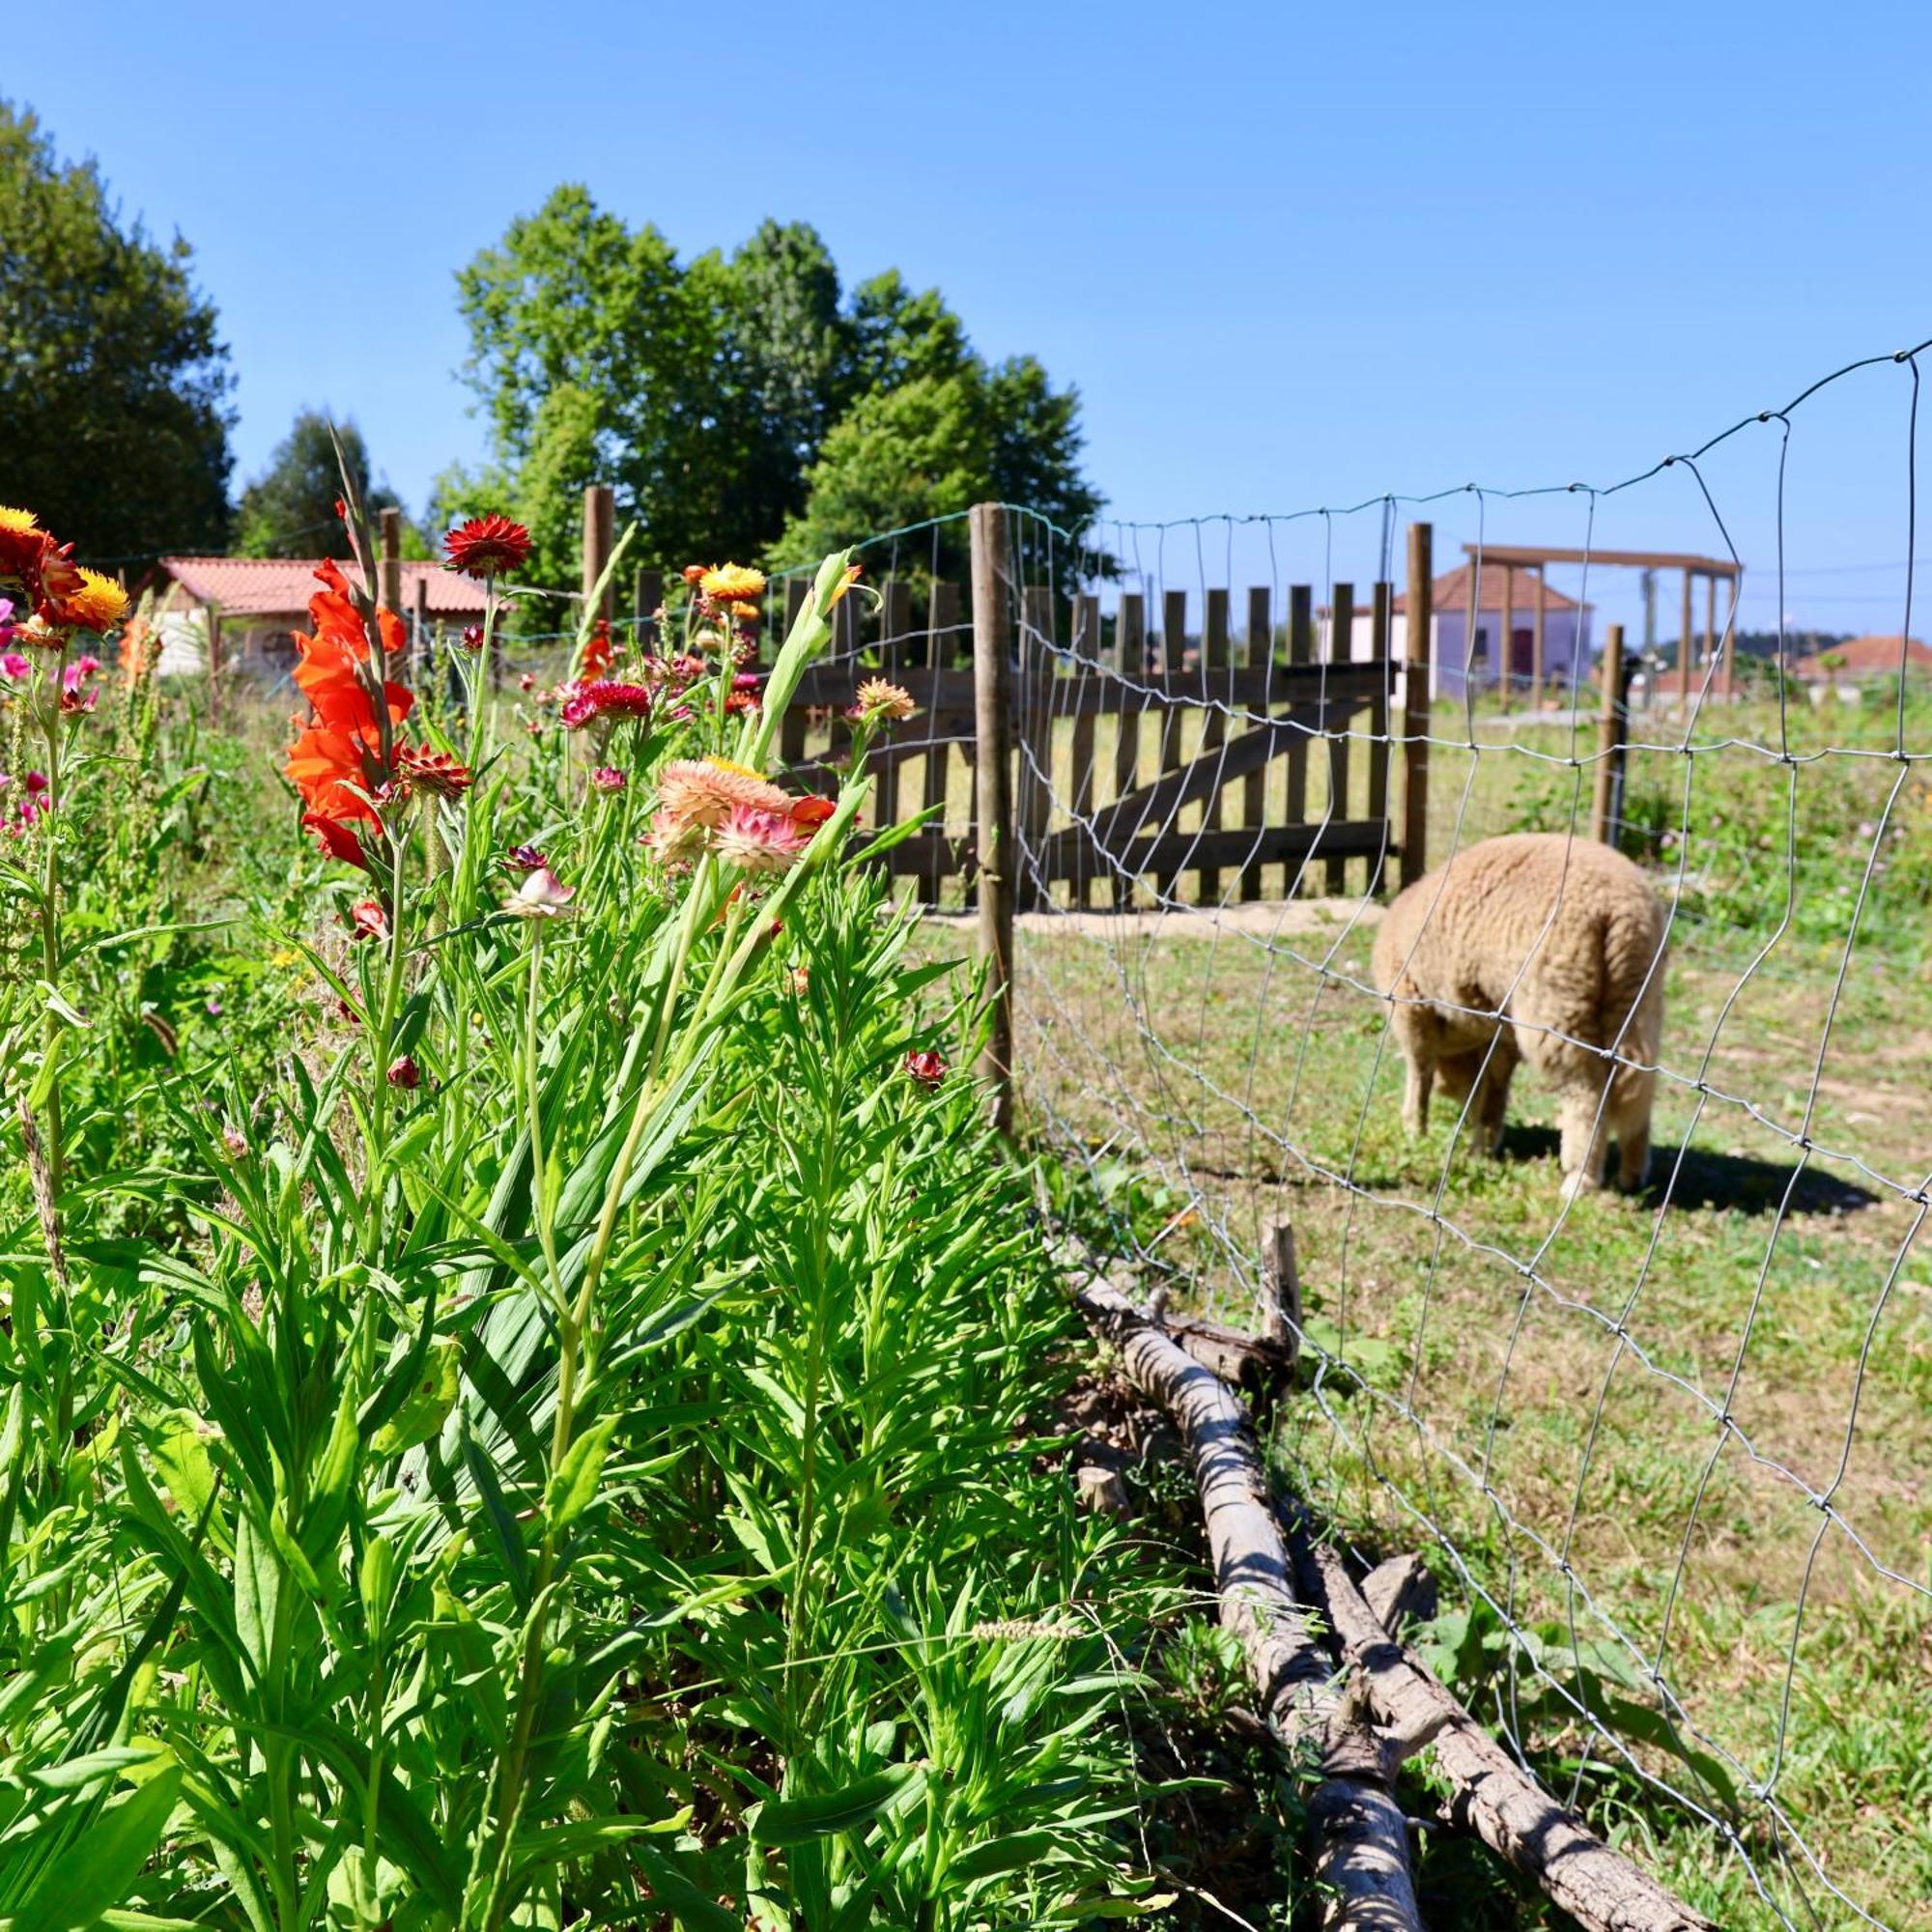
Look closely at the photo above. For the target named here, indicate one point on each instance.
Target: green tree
(289, 510)
(737, 403)
(113, 382)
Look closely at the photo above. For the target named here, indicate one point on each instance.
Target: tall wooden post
(600, 537)
(1380, 629)
(1684, 645)
(993, 823)
(1536, 638)
(1085, 686)
(1607, 804)
(391, 592)
(1419, 605)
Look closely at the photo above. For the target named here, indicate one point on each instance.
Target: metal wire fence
(1674, 1449)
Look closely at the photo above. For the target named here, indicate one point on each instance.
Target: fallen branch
(1508, 1809)
(1360, 1835)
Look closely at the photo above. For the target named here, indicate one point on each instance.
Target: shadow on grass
(1713, 1180)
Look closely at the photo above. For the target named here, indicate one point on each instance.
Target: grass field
(1549, 1390)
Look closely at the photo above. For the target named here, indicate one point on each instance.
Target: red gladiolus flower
(926, 1067)
(597, 649)
(486, 544)
(368, 920)
(811, 812)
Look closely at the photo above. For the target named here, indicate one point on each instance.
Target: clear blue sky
(1292, 256)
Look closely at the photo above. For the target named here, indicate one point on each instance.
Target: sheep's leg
(1415, 1097)
(1492, 1102)
(1630, 1119)
(1584, 1143)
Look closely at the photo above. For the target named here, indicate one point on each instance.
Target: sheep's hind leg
(1585, 1142)
(1416, 1096)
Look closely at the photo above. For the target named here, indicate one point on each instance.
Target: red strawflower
(405, 1073)
(486, 544)
(524, 859)
(604, 697)
(422, 770)
(926, 1067)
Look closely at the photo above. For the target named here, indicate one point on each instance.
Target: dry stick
(1520, 1821)
(1360, 1835)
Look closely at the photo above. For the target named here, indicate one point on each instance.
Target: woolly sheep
(1533, 947)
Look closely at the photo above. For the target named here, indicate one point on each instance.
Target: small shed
(262, 600)
(1508, 598)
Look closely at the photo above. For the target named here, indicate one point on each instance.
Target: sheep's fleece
(1560, 937)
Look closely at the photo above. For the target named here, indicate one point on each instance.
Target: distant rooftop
(1880, 654)
(280, 586)
(1451, 592)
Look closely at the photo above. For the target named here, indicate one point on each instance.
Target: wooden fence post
(1341, 648)
(1301, 651)
(1280, 1285)
(1607, 807)
(1130, 664)
(1381, 628)
(647, 599)
(390, 589)
(1084, 646)
(1173, 714)
(1214, 721)
(214, 660)
(419, 639)
(993, 822)
(600, 536)
(1415, 702)
(1260, 655)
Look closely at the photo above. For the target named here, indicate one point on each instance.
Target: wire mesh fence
(1676, 1448)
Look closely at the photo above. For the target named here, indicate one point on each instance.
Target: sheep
(1534, 946)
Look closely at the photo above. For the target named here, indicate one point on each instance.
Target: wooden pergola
(1512, 557)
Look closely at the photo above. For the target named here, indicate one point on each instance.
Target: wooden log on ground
(1493, 1796)
(1360, 1835)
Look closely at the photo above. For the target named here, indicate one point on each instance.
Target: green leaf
(74, 1892)
(575, 1484)
(793, 1821)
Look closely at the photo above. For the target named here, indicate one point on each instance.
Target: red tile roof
(1451, 592)
(1867, 655)
(279, 586)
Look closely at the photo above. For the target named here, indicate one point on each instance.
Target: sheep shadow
(1708, 1180)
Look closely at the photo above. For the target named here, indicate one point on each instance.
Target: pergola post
(1731, 636)
(1507, 659)
(1685, 645)
(1536, 638)
(1710, 618)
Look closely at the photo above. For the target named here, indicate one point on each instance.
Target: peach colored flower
(704, 791)
(760, 841)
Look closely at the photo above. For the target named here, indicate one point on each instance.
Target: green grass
(1206, 1078)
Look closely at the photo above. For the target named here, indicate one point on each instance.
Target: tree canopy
(289, 510)
(741, 405)
(114, 386)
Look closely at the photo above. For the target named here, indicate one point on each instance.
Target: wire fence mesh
(1675, 1448)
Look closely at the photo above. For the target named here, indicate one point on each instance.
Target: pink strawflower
(36, 783)
(607, 778)
(527, 681)
(705, 791)
(760, 841)
(15, 666)
(541, 895)
(926, 1067)
(674, 840)
(604, 697)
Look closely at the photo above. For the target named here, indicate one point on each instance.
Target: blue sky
(1292, 256)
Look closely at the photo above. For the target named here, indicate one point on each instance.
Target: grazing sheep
(1533, 947)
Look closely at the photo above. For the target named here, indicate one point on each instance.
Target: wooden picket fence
(1143, 764)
